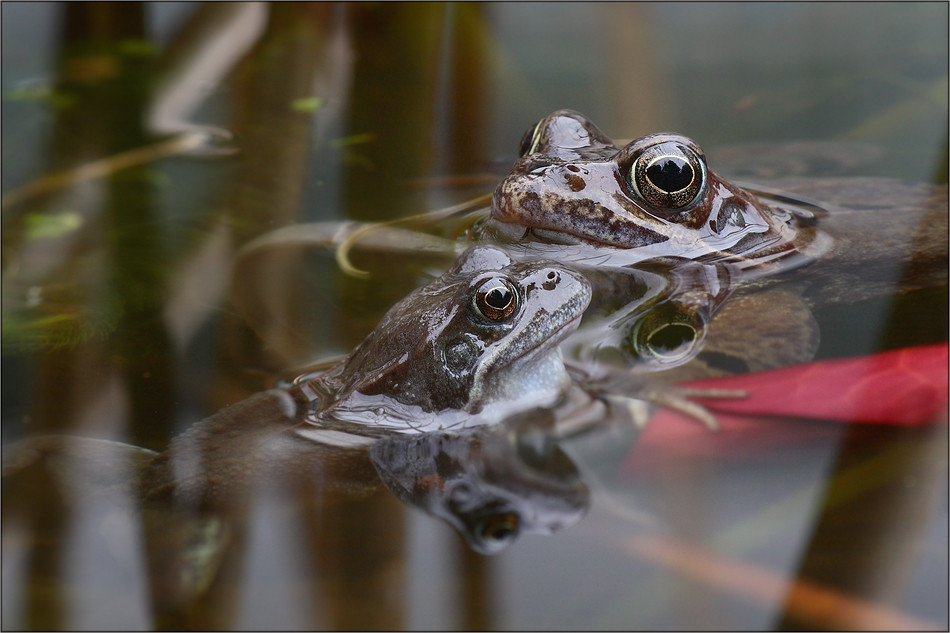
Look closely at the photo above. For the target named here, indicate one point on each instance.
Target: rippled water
(146, 144)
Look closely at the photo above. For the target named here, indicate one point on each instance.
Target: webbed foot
(629, 395)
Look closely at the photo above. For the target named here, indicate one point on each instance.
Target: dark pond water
(146, 145)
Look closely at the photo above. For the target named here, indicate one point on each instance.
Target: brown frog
(620, 214)
(653, 197)
(448, 364)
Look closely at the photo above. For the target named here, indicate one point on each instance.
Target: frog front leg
(617, 393)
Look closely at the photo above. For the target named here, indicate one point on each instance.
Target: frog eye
(668, 175)
(498, 528)
(529, 142)
(496, 299)
(668, 334)
(669, 341)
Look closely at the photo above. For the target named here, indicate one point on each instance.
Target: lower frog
(472, 347)
(468, 366)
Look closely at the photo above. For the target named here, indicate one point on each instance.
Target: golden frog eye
(496, 299)
(668, 334)
(529, 142)
(498, 527)
(668, 175)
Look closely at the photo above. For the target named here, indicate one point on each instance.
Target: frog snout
(559, 285)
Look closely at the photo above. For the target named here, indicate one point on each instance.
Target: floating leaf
(905, 387)
(354, 139)
(307, 104)
(42, 225)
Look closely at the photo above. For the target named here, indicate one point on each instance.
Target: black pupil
(670, 173)
(498, 298)
(499, 528)
(672, 338)
(498, 533)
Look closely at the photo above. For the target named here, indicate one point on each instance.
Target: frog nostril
(552, 280)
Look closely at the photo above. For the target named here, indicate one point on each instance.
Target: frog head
(491, 483)
(653, 197)
(482, 338)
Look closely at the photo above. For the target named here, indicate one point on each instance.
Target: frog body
(890, 243)
(654, 197)
(575, 196)
(575, 191)
(890, 238)
(470, 350)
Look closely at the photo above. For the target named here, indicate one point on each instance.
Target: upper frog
(655, 195)
(481, 339)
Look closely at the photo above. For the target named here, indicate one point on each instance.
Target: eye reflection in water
(492, 484)
(653, 315)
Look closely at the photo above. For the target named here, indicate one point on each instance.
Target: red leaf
(902, 387)
(905, 386)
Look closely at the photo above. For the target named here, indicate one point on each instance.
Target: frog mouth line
(551, 341)
(546, 345)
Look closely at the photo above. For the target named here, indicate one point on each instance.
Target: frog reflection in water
(491, 483)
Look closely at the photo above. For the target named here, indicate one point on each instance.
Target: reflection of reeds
(349, 62)
(866, 541)
(812, 604)
(121, 379)
(106, 270)
(343, 250)
(103, 168)
(862, 538)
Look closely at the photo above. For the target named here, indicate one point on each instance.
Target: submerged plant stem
(820, 606)
(104, 167)
(343, 251)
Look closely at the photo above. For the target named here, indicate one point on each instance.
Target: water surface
(124, 319)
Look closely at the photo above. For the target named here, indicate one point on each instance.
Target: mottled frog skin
(654, 197)
(482, 339)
